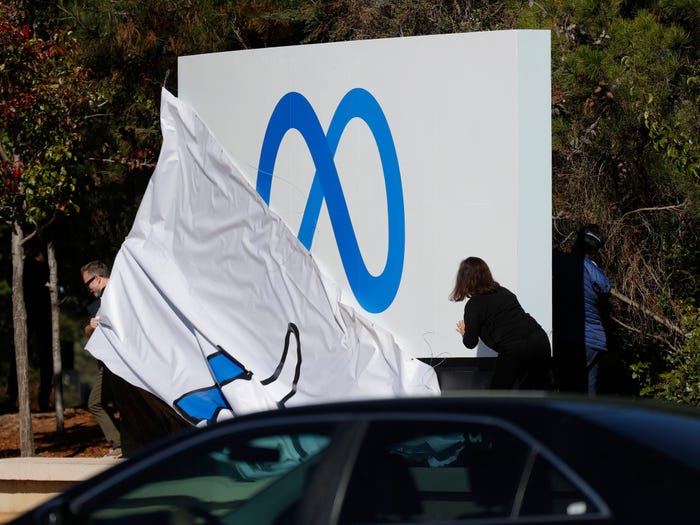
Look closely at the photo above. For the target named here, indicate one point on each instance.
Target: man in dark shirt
(95, 277)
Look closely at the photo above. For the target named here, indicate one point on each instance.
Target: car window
(423, 472)
(214, 482)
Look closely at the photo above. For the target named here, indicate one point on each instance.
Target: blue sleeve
(600, 282)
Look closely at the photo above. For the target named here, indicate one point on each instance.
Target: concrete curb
(27, 482)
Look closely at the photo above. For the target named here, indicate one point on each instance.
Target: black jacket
(499, 321)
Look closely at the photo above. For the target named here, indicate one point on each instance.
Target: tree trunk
(19, 321)
(55, 337)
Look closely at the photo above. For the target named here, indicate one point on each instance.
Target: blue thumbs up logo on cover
(293, 111)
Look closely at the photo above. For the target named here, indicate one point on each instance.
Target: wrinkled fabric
(212, 299)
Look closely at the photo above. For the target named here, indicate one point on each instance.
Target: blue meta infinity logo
(293, 111)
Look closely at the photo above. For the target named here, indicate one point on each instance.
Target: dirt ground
(81, 437)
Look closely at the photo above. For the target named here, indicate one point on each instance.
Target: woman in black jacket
(494, 315)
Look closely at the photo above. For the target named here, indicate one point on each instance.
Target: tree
(625, 104)
(44, 96)
(625, 81)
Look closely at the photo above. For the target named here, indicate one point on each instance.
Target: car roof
(656, 424)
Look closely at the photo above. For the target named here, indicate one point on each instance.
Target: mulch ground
(81, 436)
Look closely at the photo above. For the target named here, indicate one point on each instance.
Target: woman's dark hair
(589, 239)
(473, 278)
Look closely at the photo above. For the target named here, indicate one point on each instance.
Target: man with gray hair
(95, 276)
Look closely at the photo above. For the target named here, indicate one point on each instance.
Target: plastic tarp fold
(216, 307)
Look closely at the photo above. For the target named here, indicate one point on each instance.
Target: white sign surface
(395, 159)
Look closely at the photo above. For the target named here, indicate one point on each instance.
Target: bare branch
(237, 32)
(27, 238)
(3, 155)
(657, 208)
(98, 115)
(113, 161)
(652, 336)
(533, 3)
(668, 324)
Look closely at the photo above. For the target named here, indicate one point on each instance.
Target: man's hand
(92, 324)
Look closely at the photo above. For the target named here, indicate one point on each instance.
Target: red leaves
(12, 176)
(10, 107)
(17, 169)
(13, 29)
(42, 114)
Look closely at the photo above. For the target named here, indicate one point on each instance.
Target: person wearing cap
(596, 294)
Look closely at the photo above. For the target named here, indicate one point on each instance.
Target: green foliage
(132, 46)
(45, 97)
(625, 127)
(625, 124)
(681, 380)
(339, 20)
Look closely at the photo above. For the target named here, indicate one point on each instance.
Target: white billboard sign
(393, 160)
